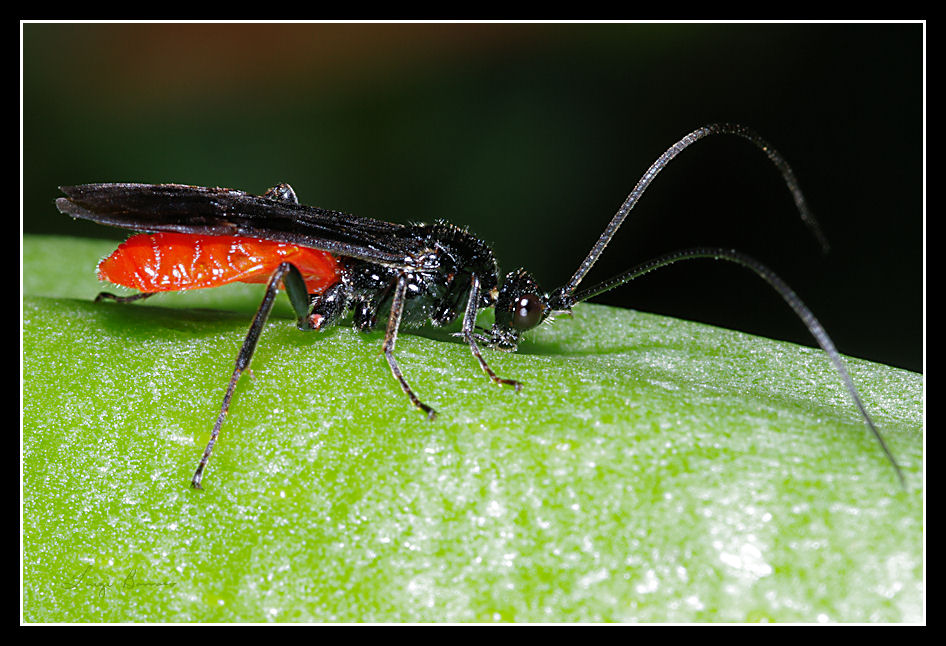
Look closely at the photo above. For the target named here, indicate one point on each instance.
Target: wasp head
(520, 305)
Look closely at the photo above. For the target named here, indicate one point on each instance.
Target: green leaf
(650, 469)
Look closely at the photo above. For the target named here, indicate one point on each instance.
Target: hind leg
(140, 296)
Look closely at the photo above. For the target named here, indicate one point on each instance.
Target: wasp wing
(223, 211)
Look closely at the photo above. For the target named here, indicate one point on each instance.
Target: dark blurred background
(532, 135)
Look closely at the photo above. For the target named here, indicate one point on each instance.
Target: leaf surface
(651, 469)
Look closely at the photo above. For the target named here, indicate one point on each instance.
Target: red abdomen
(165, 262)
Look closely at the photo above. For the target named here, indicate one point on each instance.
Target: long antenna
(789, 296)
(657, 166)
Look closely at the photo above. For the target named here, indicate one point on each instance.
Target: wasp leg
(469, 324)
(285, 273)
(390, 338)
(326, 308)
(140, 296)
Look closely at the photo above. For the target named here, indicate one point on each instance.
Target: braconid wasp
(331, 264)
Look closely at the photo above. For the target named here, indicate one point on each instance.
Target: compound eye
(527, 312)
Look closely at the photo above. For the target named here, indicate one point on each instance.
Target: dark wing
(224, 211)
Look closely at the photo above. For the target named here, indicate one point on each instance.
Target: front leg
(469, 324)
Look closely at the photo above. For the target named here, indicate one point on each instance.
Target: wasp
(332, 265)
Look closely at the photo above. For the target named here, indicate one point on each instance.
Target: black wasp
(332, 264)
